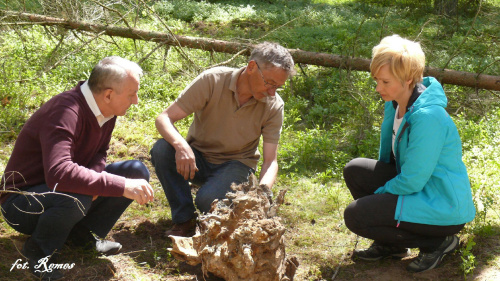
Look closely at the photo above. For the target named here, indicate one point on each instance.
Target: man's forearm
(268, 173)
(168, 131)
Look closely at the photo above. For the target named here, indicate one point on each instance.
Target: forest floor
(142, 249)
(145, 254)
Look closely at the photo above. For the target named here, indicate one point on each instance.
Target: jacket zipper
(400, 210)
(406, 125)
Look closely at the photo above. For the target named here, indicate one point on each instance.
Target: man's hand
(185, 161)
(184, 156)
(138, 190)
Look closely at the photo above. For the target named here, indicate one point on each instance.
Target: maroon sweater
(63, 144)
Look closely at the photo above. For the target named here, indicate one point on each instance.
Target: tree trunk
(446, 7)
(446, 76)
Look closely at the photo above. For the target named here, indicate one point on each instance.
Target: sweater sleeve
(57, 139)
(98, 162)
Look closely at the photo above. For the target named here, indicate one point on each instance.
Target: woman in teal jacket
(417, 195)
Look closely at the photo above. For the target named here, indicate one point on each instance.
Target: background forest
(331, 115)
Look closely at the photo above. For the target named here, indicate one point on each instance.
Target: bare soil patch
(145, 257)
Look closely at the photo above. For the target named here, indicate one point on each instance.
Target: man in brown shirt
(232, 109)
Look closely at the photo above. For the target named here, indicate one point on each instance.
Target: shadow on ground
(87, 266)
(145, 250)
(486, 250)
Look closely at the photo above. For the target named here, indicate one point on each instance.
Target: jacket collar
(417, 91)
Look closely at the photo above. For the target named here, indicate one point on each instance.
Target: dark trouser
(49, 218)
(214, 180)
(372, 215)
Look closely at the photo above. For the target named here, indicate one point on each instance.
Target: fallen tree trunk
(446, 76)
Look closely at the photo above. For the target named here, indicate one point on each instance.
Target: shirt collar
(89, 97)
(234, 79)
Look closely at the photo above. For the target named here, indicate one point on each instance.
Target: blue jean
(50, 218)
(214, 180)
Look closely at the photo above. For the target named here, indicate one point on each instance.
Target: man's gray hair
(268, 54)
(110, 72)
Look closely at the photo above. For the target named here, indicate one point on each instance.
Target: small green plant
(468, 259)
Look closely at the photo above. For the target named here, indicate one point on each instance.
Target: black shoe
(86, 240)
(35, 256)
(107, 247)
(376, 252)
(426, 261)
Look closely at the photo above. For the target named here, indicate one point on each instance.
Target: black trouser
(372, 215)
(50, 218)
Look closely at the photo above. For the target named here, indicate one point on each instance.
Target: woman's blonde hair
(405, 58)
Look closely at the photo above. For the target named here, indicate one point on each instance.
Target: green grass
(331, 116)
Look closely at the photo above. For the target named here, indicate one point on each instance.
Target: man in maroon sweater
(60, 155)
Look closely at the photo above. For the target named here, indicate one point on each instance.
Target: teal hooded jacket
(432, 181)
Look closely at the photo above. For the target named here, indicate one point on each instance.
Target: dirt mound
(241, 238)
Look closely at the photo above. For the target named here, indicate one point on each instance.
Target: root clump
(241, 238)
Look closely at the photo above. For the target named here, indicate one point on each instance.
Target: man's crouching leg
(176, 188)
(48, 217)
(104, 212)
(219, 182)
